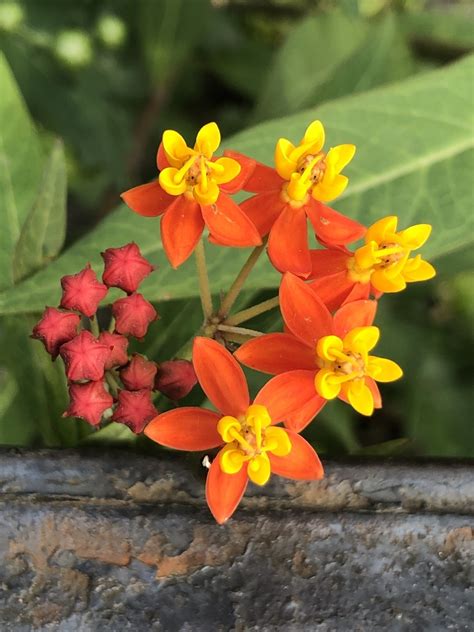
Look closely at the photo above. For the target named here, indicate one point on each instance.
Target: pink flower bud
(125, 267)
(82, 292)
(117, 346)
(134, 409)
(84, 357)
(132, 315)
(55, 328)
(139, 374)
(175, 378)
(88, 401)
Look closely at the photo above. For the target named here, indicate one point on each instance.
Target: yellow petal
(414, 236)
(175, 148)
(314, 134)
(225, 425)
(231, 459)
(259, 469)
(208, 194)
(383, 228)
(324, 346)
(362, 339)
(230, 170)
(277, 441)
(418, 269)
(360, 397)
(340, 156)
(167, 182)
(328, 190)
(365, 257)
(383, 283)
(383, 370)
(208, 139)
(258, 414)
(394, 270)
(283, 162)
(322, 383)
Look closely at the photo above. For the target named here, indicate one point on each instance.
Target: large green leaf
(412, 161)
(452, 30)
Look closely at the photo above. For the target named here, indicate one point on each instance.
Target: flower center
(309, 172)
(374, 256)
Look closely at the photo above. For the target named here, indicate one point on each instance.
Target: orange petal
(356, 314)
(359, 292)
(247, 167)
(224, 491)
(286, 394)
(187, 428)
(264, 209)
(148, 199)
(288, 242)
(302, 463)
(298, 421)
(228, 224)
(276, 353)
(331, 227)
(161, 159)
(303, 312)
(220, 377)
(263, 179)
(181, 229)
(333, 289)
(328, 262)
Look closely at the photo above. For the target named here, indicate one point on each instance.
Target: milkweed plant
(328, 300)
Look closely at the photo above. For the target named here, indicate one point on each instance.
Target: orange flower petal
(264, 209)
(302, 463)
(247, 167)
(276, 353)
(161, 159)
(328, 262)
(228, 224)
(187, 428)
(220, 377)
(263, 179)
(303, 312)
(181, 229)
(359, 292)
(224, 491)
(333, 289)
(331, 227)
(288, 242)
(298, 421)
(355, 314)
(286, 394)
(148, 199)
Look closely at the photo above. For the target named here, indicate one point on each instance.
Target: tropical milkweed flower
(252, 446)
(192, 192)
(382, 264)
(322, 356)
(293, 192)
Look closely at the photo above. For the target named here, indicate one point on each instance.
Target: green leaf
(412, 161)
(20, 169)
(448, 29)
(330, 55)
(43, 232)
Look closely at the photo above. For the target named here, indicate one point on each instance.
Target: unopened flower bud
(132, 315)
(175, 378)
(139, 374)
(82, 292)
(134, 409)
(55, 328)
(117, 346)
(125, 267)
(88, 401)
(84, 357)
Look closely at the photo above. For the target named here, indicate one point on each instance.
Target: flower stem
(239, 330)
(204, 288)
(238, 284)
(95, 326)
(112, 382)
(255, 310)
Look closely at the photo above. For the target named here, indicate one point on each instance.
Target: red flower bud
(125, 267)
(88, 401)
(82, 292)
(84, 357)
(175, 378)
(134, 409)
(132, 315)
(55, 328)
(117, 346)
(139, 374)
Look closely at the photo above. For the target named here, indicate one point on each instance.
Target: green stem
(204, 288)
(251, 333)
(94, 326)
(112, 382)
(238, 284)
(255, 310)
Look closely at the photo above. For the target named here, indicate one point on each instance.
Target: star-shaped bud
(132, 315)
(84, 357)
(134, 409)
(89, 402)
(125, 267)
(175, 378)
(117, 346)
(139, 374)
(55, 328)
(82, 292)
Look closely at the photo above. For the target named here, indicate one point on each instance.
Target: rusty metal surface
(124, 542)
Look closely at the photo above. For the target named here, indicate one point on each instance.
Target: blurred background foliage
(107, 77)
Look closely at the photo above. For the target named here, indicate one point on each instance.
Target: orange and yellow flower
(321, 357)
(252, 446)
(382, 264)
(192, 192)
